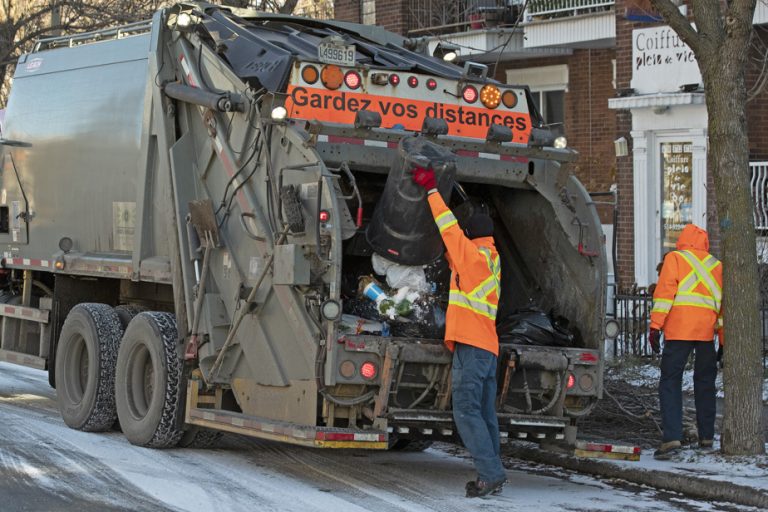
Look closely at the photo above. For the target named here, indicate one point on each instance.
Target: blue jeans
(673, 361)
(474, 409)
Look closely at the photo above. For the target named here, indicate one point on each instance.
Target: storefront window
(676, 165)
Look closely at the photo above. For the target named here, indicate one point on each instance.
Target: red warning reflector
(588, 357)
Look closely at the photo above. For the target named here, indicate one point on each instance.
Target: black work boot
(479, 488)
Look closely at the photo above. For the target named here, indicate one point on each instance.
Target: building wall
(390, 14)
(347, 10)
(589, 125)
(625, 228)
(757, 108)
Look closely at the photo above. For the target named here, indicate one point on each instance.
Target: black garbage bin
(402, 228)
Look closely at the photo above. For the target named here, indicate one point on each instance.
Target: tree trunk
(728, 157)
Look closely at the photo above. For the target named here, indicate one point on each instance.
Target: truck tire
(198, 437)
(126, 312)
(85, 367)
(148, 387)
(411, 445)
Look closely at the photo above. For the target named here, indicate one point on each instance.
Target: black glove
(720, 356)
(654, 340)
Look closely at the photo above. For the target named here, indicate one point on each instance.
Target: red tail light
(571, 381)
(324, 216)
(469, 94)
(352, 79)
(431, 84)
(394, 79)
(368, 370)
(413, 81)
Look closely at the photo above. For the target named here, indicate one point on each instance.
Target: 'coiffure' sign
(661, 61)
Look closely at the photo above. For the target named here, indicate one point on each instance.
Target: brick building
(623, 88)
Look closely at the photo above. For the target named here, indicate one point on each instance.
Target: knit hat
(478, 226)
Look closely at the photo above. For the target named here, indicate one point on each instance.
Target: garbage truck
(190, 206)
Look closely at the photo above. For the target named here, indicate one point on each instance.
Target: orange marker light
(509, 99)
(309, 74)
(490, 96)
(332, 77)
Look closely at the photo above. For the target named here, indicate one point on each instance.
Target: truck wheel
(198, 437)
(85, 367)
(126, 312)
(148, 388)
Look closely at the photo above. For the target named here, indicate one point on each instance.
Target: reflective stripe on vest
(476, 300)
(445, 220)
(701, 273)
(481, 307)
(661, 306)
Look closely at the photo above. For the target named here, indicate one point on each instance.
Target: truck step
(293, 433)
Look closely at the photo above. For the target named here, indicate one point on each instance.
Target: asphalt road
(45, 466)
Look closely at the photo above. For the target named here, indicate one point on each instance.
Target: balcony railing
(430, 17)
(759, 186)
(547, 9)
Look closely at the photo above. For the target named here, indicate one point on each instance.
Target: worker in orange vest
(687, 306)
(470, 333)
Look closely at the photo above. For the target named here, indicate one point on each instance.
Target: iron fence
(633, 312)
(555, 8)
(759, 187)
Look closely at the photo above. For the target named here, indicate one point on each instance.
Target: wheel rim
(78, 359)
(141, 376)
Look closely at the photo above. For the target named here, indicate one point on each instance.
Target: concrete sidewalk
(709, 476)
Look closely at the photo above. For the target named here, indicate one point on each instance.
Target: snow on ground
(748, 471)
(647, 375)
(40, 456)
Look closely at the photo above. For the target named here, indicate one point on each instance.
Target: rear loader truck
(188, 205)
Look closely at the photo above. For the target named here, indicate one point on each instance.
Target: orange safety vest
(475, 277)
(687, 302)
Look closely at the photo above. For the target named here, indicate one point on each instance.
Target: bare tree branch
(679, 23)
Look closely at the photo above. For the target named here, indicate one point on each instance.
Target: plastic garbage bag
(533, 327)
(401, 276)
(352, 324)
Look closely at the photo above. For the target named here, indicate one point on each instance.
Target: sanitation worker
(470, 333)
(687, 308)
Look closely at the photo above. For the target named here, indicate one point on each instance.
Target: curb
(691, 486)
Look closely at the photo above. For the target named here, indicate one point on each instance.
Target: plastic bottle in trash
(371, 289)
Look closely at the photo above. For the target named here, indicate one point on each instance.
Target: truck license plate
(339, 54)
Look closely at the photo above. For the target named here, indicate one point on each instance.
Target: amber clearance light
(309, 74)
(332, 77)
(509, 99)
(490, 96)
